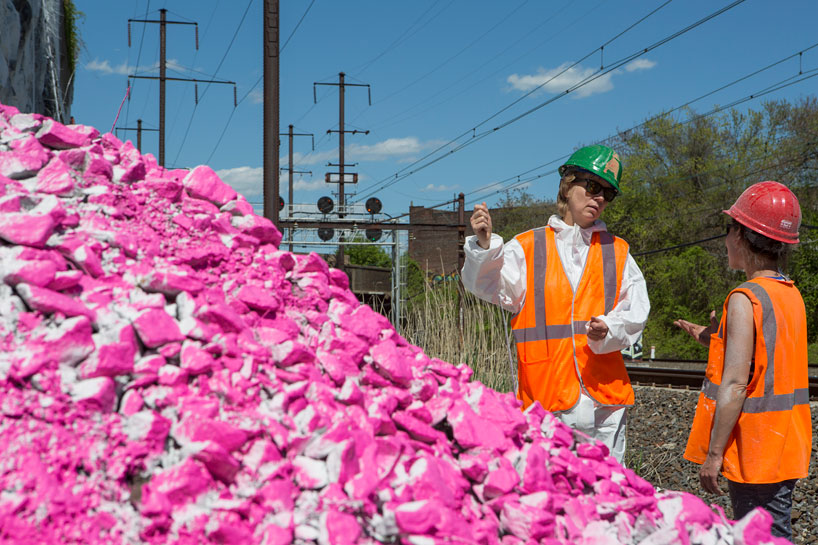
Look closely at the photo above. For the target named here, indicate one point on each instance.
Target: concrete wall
(34, 74)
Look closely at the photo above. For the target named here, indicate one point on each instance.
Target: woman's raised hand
(481, 225)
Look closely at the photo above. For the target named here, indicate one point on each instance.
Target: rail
(685, 378)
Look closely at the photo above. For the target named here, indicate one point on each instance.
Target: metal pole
(271, 98)
(461, 257)
(139, 135)
(290, 191)
(340, 257)
(162, 67)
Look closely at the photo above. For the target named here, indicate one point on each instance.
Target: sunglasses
(595, 188)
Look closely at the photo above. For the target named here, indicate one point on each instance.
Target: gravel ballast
(658, 426)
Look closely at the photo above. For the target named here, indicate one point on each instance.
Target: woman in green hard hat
(578, 298)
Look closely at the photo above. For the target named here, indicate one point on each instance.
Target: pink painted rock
(55, 178)
(51, 302)
(57, 136)
(203, 183)
(26, 229)
(98, 393)
(156, 327)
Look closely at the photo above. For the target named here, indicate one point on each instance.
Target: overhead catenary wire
(397, 118)
(216, 73)
(138, 58)
(253, 88)
(195, 56)
(403, 36)
(771, 88)
(401, 174)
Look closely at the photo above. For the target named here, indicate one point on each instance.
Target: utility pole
(341, 165)
(461, 258)
(271, 121)
(163, 22)
(291, 134)
(138, 130)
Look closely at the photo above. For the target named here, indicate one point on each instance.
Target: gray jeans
(776, 498)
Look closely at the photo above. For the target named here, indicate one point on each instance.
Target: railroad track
(686, 378)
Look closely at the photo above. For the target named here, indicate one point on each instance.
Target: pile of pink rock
(168, 375)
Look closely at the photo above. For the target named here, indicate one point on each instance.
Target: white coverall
(498, 275)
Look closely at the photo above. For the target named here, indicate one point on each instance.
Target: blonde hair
(562, 194)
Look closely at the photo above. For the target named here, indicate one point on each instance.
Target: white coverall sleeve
(496, 275)
(627, 319)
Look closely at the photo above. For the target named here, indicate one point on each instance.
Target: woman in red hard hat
(752, 421)
(578, 297)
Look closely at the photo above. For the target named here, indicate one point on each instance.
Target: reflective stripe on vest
(565, 331)
(770, 401)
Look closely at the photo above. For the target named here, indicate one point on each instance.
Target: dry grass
(433, 322)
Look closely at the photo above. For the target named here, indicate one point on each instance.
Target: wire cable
(216, 73)
(138, 57)
(390, 180)
(774, 87)
(253, 88)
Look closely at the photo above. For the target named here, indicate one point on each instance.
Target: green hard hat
(598, 159)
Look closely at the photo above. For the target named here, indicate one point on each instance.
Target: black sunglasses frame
(595, 188)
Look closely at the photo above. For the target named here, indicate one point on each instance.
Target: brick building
(436, 250)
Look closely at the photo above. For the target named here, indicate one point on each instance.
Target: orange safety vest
(553, 357)
(772, 439)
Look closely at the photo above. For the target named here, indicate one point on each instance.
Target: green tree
(367, 254)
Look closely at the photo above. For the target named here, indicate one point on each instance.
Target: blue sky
(443, 74)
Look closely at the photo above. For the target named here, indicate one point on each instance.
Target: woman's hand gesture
(481, 225)
(700, 332)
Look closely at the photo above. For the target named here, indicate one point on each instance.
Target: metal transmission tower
(163, 22)
(290, 208)
(341, 165)
(138, 130)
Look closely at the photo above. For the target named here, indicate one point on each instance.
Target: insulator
(235, 102)
(129, 34)
(197, 37)
(196, 93)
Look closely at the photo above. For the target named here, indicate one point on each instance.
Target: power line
(774, 87)
(196, 105)
(253, 88)
(138, 57)
(451, 58)
(392, 179)
(403, 37)
(459, 80)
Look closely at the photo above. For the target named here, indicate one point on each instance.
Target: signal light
(373, 235)
(280, 203)
(373, 205)
(325, 205)
(326, 233)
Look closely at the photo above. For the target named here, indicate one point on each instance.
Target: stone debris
(168, 375)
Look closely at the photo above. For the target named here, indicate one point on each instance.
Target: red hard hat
(768, 208)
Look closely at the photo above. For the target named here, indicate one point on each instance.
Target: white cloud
(441, 187)
(640, 64)
(249, 181)
(105, 67)
(245, 180)
(398, 149)
(124, 69)
(558, 80)
(256, 96)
